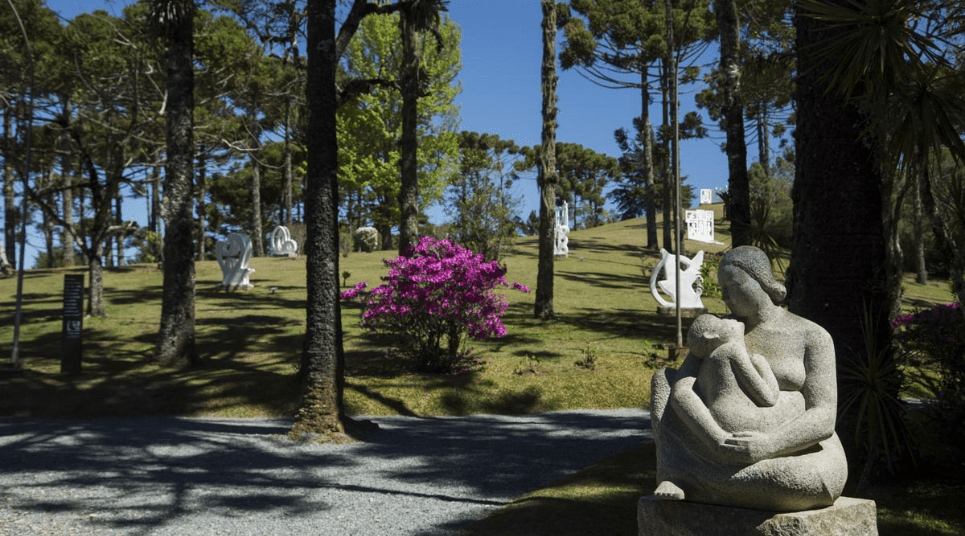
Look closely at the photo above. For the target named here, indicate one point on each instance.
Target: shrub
(934, 339)
(434, 296)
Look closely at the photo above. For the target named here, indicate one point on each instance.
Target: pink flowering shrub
(433, 297)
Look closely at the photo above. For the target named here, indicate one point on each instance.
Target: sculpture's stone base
(847, 517)
(686, 312)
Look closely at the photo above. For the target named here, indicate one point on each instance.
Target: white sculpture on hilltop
(234, 255)
(700, 225)
(281, 242)
(706, 196)
(561, 231)
(689, 275)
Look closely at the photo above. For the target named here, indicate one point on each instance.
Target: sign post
(71, 345)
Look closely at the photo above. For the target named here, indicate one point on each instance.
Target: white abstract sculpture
(689, 275)
(700, 225)
(234, 255)
(706, 196)
(281, 242)
(561, 232)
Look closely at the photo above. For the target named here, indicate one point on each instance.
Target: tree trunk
(763, 141)
(646, 132)
(155, 199)
(322, 363)
(95, 292)
(921, 270)
(733, 113)
(409, 191)
(9, 200)
(175, 345)
(838, 265)
(287, 189)
(202, 192)
(548, 177)
(257, 238)
(118, 201)
(67, 206)
(667, 205)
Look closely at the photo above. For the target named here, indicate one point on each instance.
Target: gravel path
(167, 476)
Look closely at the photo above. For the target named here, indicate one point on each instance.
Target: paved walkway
(166, 476)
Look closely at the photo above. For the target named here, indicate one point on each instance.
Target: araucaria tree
(417, 16)
(323, 362)
(175, 346)
(546, 173)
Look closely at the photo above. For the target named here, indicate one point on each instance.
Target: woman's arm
(754, 375)
(820, 398)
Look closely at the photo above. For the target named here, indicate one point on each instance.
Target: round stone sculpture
(723, 434)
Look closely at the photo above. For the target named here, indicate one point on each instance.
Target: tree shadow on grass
(626, 323)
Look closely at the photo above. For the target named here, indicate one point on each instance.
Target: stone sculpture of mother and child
(748, 419)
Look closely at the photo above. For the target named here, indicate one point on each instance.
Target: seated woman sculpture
(780, 457)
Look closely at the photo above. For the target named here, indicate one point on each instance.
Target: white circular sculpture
(368, 238)
(281, 243)
(234, 255)
(690, 278)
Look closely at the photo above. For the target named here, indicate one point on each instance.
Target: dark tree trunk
(548, 177)
(838, 266)
(733, 113)
(287, 189)
(409, 191)
(323, 362)
(257, 234)
(175, 345)
(9, 201)
(67, 205)
(119, 238)
(202, 192)
(155, 199)
(921, 269)
(95, 291)
(646, 132)
(666, 199)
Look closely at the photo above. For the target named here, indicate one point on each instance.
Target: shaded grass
(602, 499)
(599, 500)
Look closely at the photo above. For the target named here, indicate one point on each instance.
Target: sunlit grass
(251, 341)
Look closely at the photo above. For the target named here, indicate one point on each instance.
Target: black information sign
(71, 346)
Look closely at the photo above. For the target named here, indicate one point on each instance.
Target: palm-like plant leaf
(881, 44)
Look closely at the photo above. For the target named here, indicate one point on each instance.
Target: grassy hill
(251, 341)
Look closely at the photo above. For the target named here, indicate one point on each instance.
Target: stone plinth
(847, 517)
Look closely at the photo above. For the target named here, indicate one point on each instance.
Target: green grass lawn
(251, 342)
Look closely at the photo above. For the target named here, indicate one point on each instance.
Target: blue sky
(501, 56)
